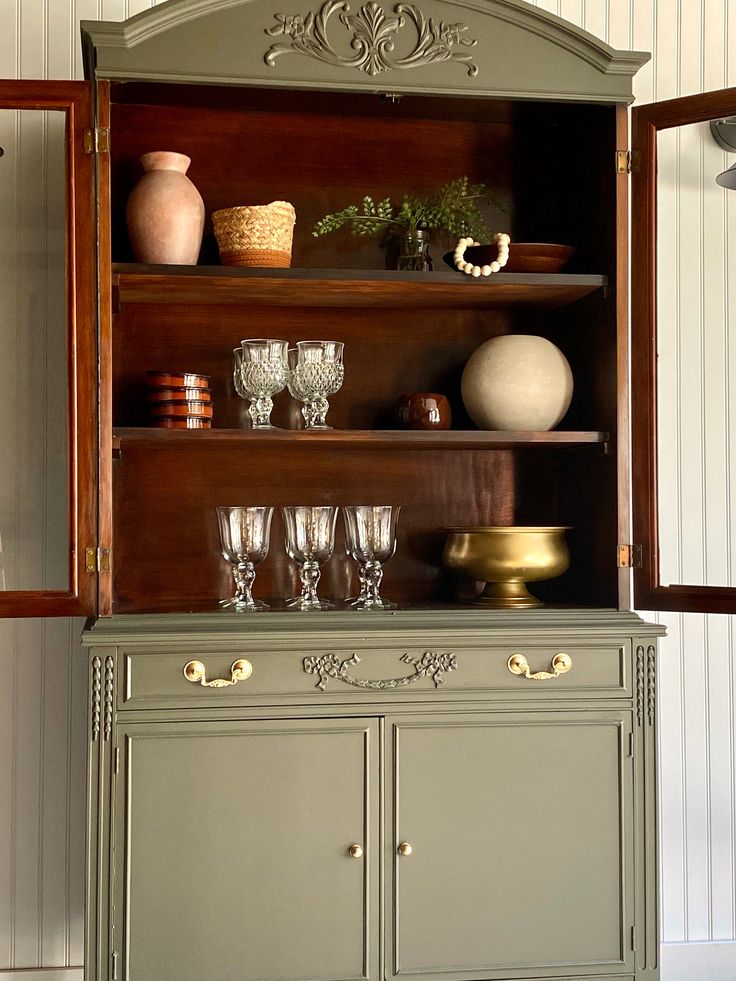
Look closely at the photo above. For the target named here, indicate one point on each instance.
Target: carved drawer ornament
(429, 665)
(372, 37)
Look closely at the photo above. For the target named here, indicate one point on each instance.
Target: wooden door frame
(647, 121)
(75, 99)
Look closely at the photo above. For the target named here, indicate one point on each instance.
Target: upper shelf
(344, 287)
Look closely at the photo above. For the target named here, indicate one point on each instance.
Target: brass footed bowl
(506, 559)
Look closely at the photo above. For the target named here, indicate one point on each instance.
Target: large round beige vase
(517, 382)
(165, 212)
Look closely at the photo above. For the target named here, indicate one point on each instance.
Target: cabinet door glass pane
(34, 391)
(696, 359)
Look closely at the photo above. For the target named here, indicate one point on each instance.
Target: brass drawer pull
(405, 849)
(561, 664)
(240, 670)
(355, 851)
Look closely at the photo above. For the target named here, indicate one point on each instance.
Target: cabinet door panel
(232, 851)
(48, 358)
(681, 373)
(520, 829)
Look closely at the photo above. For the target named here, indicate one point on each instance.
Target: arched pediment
(464, 47)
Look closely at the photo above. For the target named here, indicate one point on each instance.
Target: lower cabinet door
(512, 847)
(233, 851)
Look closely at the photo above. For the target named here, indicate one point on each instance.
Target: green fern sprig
(455, 208)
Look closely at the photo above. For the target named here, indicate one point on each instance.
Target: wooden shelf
(344, 287)
(386, 439)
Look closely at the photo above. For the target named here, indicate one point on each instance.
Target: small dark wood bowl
(180, 395)
(182, 422)
(524, 257)
(176, 379)
(197, 409)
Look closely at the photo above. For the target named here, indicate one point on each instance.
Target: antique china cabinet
(368, 796)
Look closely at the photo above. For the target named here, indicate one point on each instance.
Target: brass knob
(355, 851)
(405, 849)
(240, 670)
(561, 664)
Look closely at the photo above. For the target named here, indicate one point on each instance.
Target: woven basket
(256, 235)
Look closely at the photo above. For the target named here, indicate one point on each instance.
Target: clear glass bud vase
(414, 252)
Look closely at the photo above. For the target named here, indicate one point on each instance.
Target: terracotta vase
(165, 211)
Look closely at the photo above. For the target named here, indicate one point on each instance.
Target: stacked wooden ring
(179, 400)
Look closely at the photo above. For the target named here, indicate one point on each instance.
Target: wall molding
(44, 974)
(712, 961)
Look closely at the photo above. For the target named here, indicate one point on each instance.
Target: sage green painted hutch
(366, 796)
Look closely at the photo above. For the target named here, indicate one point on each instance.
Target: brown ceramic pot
(165, 211)
(423, 410)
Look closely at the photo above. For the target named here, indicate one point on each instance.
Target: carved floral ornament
(371, 38)
(429, 665)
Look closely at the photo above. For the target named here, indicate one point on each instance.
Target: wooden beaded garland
(502, 240)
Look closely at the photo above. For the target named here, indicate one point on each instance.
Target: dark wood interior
(403, 333)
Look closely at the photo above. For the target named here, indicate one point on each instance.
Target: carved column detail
(109, 680)
(429, 665)
(96, 697)
(640, 685)
(651, 684)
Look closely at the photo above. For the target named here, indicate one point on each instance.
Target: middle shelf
(387, 439)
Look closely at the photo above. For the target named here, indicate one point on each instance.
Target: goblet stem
(260, 412)
(244, 575)
(319, 409)
(308, 414)
(374, 578)
(309, 575)
(362, 596)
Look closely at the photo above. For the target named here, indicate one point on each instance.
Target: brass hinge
(114, 965)
(633, 938)
(627, 162)
(631, 748)
(117, 759)
(97, 140)
(98, 559)
(629, 556)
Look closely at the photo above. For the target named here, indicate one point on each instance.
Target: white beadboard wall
(42, 705)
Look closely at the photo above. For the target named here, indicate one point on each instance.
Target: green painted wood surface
(478, 48)
(155, 679)
(523, 845)
(534, 830)
(231, 857)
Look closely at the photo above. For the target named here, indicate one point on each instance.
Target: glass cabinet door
(48, 369)
(683, 354)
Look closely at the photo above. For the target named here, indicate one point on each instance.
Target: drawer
(156, 678)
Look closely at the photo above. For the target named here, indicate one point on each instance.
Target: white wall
(42, 705)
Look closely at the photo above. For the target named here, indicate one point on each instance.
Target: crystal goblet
(295, 389)
(309, 541)
(244, 535)
(262, 375)
(370, 537)
(319, 373)
(238, 372)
